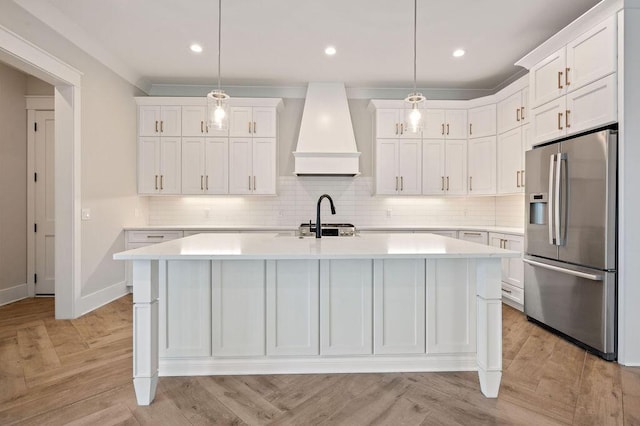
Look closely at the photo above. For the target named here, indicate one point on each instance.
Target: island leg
(489, 325)
(145, 329)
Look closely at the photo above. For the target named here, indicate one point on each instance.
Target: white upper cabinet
(582, 61)
(482, 165)
(445, 124)
(394, 124)
(398, 167)
(159, 165)
(482, 121)
(510, 168)
(194, 120)
(252, 121)
(444, 167)
(204, 165)
(252, 166)
(154, 120)
(513, 111)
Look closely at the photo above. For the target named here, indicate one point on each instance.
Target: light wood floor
(79, 372)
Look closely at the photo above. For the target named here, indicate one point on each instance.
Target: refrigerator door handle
(563, 188)
(556, 201)
(592, 277)
(550, 210)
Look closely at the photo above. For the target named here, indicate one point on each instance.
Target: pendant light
(415, 99)
(217, 100)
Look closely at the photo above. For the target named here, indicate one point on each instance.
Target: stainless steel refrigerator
(570, 280)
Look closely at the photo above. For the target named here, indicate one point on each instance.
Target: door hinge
(35, 278)
(35, 126)
(35, 227)
(35, 177)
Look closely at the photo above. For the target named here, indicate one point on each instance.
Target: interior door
(44, 204)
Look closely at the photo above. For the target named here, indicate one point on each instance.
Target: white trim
(101, 297)
(41, 103)
(13, 294)
(201, 101)
(30, 59)
(310, 365)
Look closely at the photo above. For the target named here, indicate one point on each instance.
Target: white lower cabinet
(451, 306)
(238, 307)
(293, 307)
(346, 307)
(185, 299)
(479, 237)
(512, 268)
(399, 306)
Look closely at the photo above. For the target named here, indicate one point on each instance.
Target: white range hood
(326, 143)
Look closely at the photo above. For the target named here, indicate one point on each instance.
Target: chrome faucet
(318, 223)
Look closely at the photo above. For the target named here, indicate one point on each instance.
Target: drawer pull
(155, 236)
(506, 291)
(472, 233)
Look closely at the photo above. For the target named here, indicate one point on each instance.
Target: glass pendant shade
(416, 119)
(218, 110)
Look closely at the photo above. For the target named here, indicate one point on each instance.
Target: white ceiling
(281, 42)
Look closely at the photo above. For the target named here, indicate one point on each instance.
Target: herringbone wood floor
(79, 372)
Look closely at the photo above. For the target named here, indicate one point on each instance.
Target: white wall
(13, 185)
(108, 149)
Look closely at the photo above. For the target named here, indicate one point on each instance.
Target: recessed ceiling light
(330, 50)
(196, 48)
(458, 53)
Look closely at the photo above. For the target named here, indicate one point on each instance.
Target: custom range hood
(326, 144)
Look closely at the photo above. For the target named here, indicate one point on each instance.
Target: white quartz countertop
(285, 246)
(376, 228)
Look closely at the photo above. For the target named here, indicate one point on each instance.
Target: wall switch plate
(86, 214)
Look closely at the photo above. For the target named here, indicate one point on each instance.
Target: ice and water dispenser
(538, 208)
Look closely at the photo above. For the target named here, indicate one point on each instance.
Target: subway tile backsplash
(296, 203)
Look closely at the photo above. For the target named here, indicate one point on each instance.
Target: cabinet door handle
(161, 126)
(396, 128)
(447, 183)
(518, 179)
(470, 129)
(156, 126)
(254, 183)
(522, 178)
(207, 182)
(443, 128)
(401, 183)
(442, 188)
(249, 183)
(560, 86)
(566, 118)
(517, 114)
(522, 113)
(447, 128)
(156, 182)
(402, 128)
(254, 127)
(506, 291)
(470, 183)
(249, 127)
(201, 182)
(560, 121)
(396, 183)
(201, 126)
(161, 182)
(566, 76)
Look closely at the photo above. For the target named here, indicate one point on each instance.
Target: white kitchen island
(270, 303)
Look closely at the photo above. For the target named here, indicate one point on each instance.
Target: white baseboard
(13, 294)
(513, 304)
(100, 298)
(355, 364)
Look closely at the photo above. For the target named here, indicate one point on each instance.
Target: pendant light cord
(219, 37)
(415, 24)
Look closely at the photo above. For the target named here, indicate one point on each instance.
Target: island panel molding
(404, 289)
